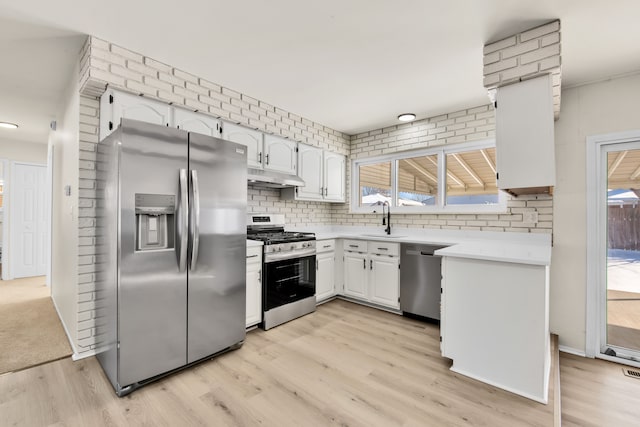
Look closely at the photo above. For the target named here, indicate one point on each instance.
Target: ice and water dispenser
(155, 221)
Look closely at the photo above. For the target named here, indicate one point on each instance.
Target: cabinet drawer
(355, 245)
(254, 254)
(384, 248)
(325, 246)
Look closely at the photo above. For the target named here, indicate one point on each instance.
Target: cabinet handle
(317, 268)
(325, 246)
(266, 158)
(260, 157)
(321, 191)
(370, 264)
(252, 256)
(364, 263)
(259, 275)
(383, 249)
(326, 191)
(353, 246)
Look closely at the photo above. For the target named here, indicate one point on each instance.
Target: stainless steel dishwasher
(420, 278)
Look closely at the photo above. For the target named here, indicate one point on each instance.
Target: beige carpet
(30, 330)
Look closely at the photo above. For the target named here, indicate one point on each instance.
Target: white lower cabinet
(355, 275)
(505, 305)
(384, 280)
(372, 272)
(325, 269)
(254, 286)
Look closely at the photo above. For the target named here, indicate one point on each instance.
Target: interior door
(620, 198)
(28, 221)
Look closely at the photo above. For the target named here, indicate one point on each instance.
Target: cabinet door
(250, 138)
(195, 122)
(334, 176)
(280, 154)
(384, 280)
(524, 134)
(127, 106)
(355, 275)
(310, 170)
(254, 293)
(325, 280)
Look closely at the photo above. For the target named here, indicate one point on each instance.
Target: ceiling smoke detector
(8, 125)
(406, 117)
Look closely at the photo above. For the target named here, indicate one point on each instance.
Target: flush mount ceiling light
(8, 125)
(406, 117)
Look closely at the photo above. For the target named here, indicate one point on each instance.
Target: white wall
(23, 151)
(64, 252)
(598, 108)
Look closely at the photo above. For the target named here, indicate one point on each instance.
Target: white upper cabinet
(334, 177)
(524, 137)
(323, 173)
(280, 154)
(250, 138)
(310, 165)
(115, 106)
(195, 122)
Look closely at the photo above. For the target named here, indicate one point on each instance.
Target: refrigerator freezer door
(217, 287)
(152, 293)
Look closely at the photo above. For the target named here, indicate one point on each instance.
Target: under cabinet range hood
(267, 178)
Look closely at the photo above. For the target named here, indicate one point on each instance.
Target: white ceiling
(350, 65)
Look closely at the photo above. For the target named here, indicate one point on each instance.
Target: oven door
(287, 281)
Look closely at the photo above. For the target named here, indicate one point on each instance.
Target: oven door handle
(280, 257)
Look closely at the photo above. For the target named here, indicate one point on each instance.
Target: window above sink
(453, 178)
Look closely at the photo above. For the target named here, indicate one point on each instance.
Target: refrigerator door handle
(183, 225)
(195, 238)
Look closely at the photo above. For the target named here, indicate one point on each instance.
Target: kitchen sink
(384, 236)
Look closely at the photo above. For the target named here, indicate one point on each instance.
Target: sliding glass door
(620, 199)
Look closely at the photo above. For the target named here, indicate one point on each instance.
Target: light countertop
(522, 248)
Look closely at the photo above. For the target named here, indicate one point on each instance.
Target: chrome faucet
(388, 219)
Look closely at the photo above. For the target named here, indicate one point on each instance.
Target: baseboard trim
(368, 304)
(571, 350)
(540, 399)
(66, 331)
(78, 356)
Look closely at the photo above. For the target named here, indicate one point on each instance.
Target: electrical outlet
(530, 217)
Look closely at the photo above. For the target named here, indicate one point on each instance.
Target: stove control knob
(293, 247)
(279, 248)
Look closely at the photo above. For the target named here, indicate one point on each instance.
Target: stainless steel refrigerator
(171, 251)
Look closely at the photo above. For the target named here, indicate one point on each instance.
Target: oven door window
(288, 281)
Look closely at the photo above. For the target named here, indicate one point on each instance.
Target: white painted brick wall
(103, 64)
(466, 125)
(523, 56)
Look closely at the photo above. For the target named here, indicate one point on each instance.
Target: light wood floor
(623, 319)
(344, 365)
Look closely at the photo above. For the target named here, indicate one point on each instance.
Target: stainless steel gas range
(288, 269)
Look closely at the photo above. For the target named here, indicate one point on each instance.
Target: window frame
(440, 207)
